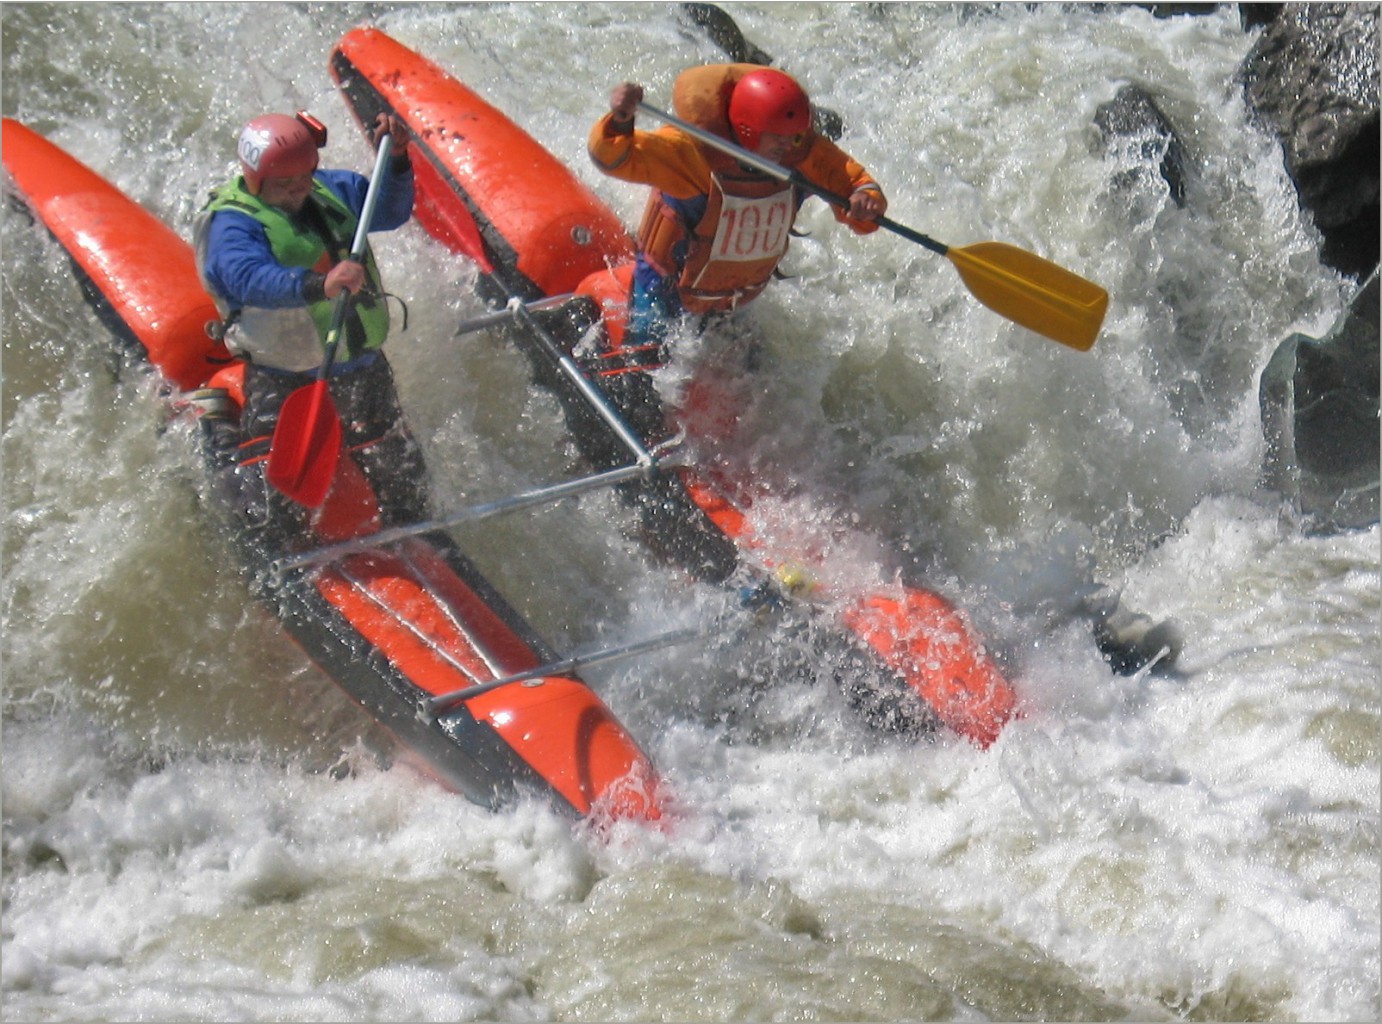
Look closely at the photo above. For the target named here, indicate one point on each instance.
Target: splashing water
(1199, 845)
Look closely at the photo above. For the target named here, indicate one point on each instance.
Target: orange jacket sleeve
(834, 170)
(666, 159)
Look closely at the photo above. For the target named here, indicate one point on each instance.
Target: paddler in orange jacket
(714, 230)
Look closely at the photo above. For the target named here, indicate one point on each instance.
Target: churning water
(1195, 845)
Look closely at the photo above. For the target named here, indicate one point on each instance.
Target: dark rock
(724, 32)
(1177, 10)
(1319, 400)
(1312, 80)
(1131, 641)
(1253, 16)
(1133, 116)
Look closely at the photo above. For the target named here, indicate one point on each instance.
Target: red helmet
(768, 101)
(278, 146)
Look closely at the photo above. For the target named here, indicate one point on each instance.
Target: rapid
(197, 827)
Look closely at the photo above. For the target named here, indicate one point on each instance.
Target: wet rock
(1312, 80)
(1257, 15)
(1177, 10)
(1133, 118)
(1319, 400)
(1131, 642)
(724, 32)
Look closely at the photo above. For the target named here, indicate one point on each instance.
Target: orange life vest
(739, 241)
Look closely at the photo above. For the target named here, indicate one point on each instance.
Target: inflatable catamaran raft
(400, 618)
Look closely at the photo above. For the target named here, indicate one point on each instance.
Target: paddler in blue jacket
(272, 246)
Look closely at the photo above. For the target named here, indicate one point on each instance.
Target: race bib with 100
(753, 229)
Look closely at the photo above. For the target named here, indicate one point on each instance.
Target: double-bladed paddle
(1021, 286)
(307, 440)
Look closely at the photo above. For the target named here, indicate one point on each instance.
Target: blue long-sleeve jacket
(240, 265)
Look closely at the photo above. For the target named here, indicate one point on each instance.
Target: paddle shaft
(357, 253)
(306, 443)
(792, 177)
(1023, 287)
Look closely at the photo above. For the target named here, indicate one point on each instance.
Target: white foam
(1147, 847)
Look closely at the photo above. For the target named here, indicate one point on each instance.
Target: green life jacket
(295, 244)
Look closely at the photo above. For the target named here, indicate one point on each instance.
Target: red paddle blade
(306, 445)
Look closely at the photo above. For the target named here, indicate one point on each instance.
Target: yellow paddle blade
(1033, 292)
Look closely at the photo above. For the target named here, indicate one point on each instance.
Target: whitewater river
(1200, 844)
